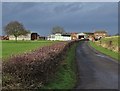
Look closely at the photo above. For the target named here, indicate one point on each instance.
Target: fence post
(100, 42)
(110, 42)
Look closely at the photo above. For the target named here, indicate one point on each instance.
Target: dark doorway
(80, 36)
(34, 36)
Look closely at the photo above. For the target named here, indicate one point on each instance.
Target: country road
(95, 70)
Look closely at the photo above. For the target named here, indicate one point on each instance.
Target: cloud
(77, 17)
(60, 0)
(68, 7)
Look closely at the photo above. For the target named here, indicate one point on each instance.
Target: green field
(12, 48)
(115, 40)
(103, 50)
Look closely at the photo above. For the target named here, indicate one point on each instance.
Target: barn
(34, 36)
(81, 36)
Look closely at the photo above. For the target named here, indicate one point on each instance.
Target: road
(95, 70)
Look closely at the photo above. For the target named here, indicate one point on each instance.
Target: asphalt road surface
(95, 70)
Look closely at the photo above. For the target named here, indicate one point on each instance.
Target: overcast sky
(73, 17)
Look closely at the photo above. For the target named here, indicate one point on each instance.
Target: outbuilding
(21, 37)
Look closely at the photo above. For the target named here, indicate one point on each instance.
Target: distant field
(12, 48)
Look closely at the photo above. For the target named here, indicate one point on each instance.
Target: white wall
(65, 38)
(58, 37)
(27, 37)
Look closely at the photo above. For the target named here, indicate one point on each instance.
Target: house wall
(66, 38)
(91, 38)
(74, 36)
(98, 35)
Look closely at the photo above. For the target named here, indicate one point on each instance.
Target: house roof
(100, 31)
(89, 33)
(74, 33)
(81, 34)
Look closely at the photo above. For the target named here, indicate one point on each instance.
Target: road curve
(95, 70)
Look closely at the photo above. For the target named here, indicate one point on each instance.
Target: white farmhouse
(59, 37)
(22, 37)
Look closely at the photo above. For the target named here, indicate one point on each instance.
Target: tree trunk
(16, 39)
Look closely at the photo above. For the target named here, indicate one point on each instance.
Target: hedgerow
(33, 70)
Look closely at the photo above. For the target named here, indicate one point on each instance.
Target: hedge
(33, 70)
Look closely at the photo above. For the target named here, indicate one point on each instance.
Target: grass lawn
(12, 48)
(110, 53)
(65, 78)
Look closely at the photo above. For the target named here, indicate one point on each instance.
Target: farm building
(42, 38)
(22, 37)
(58, 36)
(85, 35)
(34, 36)
(30, 36)
(81, 36)
(100, 34)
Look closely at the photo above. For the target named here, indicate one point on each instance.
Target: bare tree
(58, 29)
(15, 28)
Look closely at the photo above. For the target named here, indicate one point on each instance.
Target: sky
(0, 18)
(41, 17)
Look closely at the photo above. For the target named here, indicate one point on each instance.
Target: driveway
(95, 70)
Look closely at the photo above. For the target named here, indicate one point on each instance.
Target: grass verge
(65, 77)
(105, 51)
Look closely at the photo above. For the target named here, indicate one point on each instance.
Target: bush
(32, 70)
